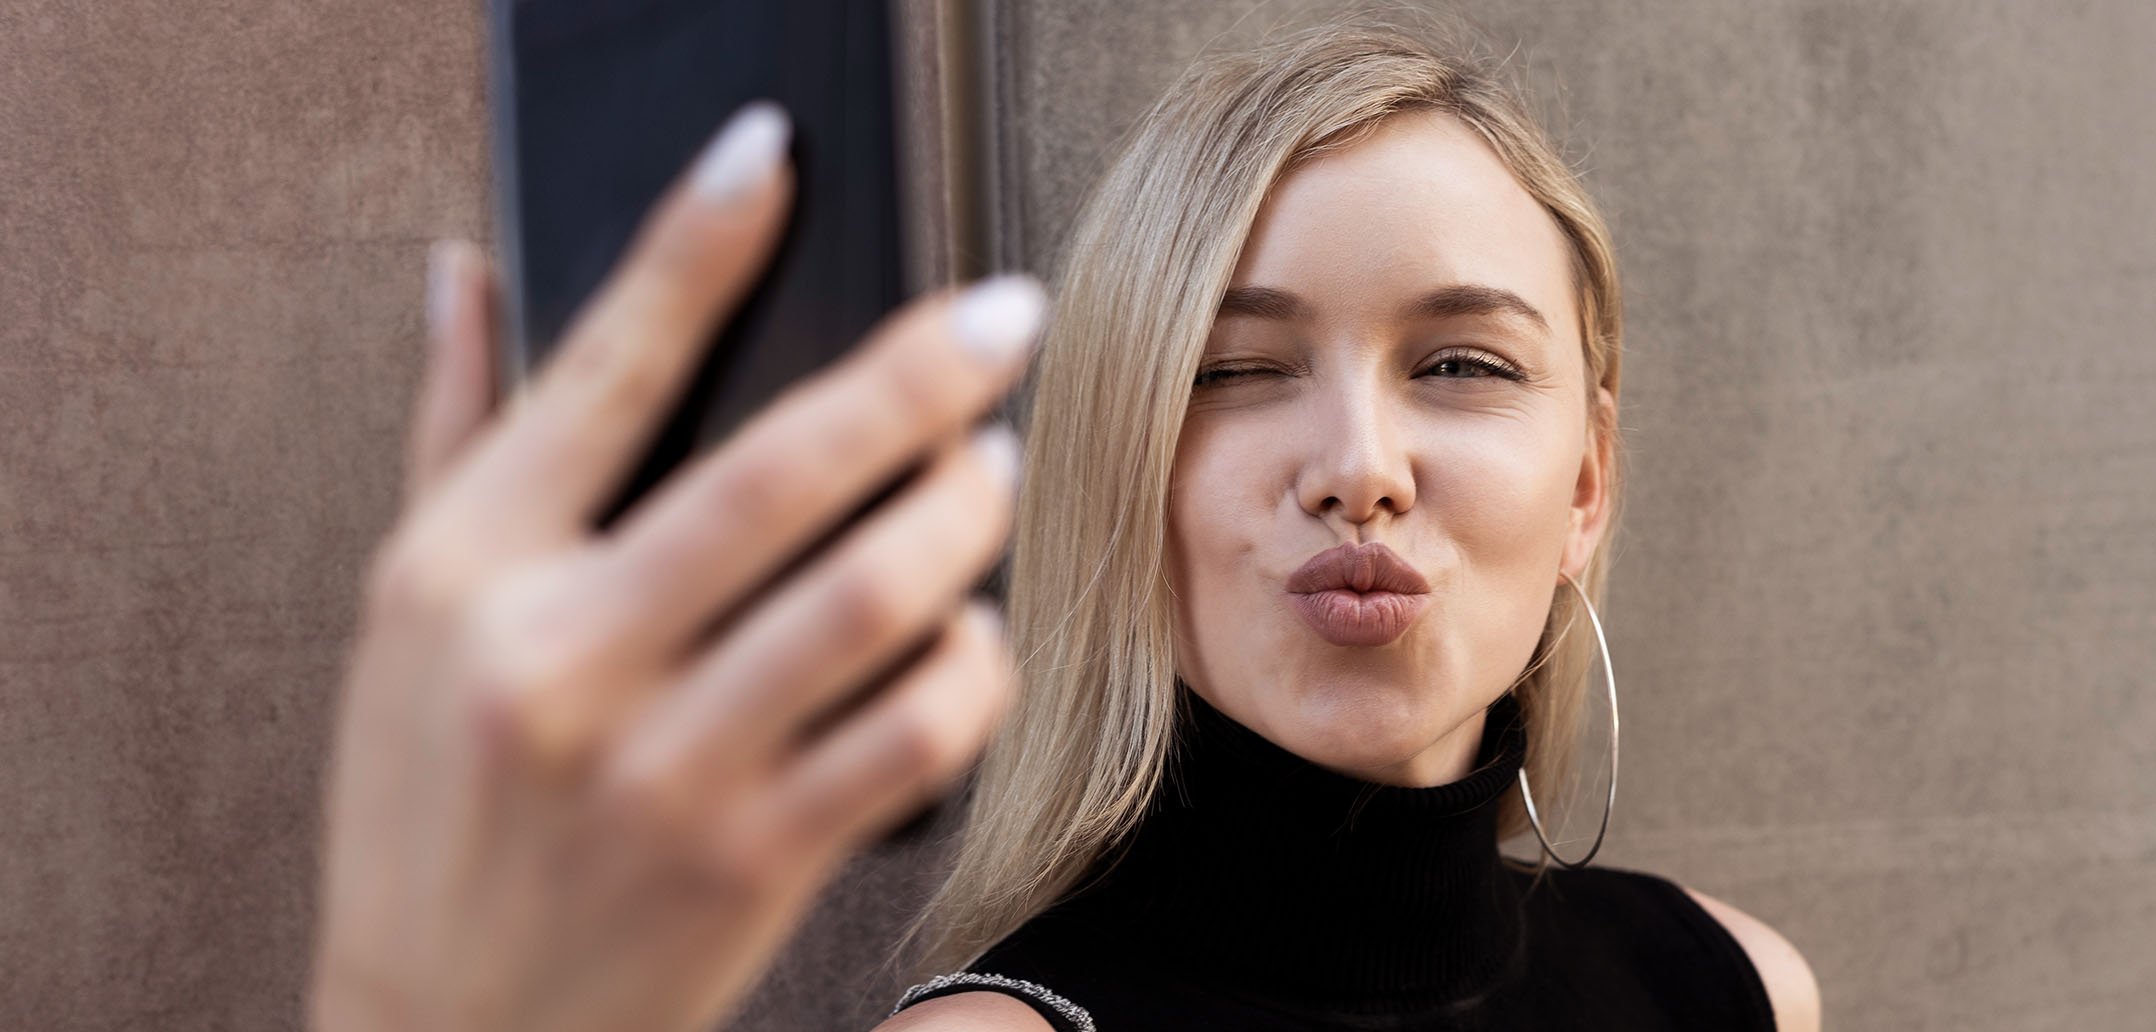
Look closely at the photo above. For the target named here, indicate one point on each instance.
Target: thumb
(456, 397)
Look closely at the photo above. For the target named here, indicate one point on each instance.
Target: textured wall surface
(1885, 612)
(214, 217)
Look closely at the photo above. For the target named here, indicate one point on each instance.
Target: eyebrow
(1444, 302)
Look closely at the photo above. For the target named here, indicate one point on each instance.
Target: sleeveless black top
(1263, 892)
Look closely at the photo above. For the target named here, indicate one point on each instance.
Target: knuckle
(697, 247)
(536, 629)
(746, 851)
(851, 436)
(631, 383)
(520, 703)
(929, 740)
(500, 721)
(869, 608)
(644, 802)
(600, 359)
(681, 241)
(919, 394)
(760, 486)
(404, 578)
(675, 241)
(505, 691)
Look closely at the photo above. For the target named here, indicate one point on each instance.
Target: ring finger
(826, 631)
(898, 751)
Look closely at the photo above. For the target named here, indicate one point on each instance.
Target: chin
(1362, 730)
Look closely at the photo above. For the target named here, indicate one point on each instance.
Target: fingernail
(743, 151)
(990, 616)
(442, 270)
(997, 318)
(997, 445)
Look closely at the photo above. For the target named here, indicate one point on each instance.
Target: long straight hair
(1077, 760)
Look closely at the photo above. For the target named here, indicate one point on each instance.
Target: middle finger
(571, 434)
(735, 517)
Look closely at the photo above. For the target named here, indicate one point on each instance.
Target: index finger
(571, 437)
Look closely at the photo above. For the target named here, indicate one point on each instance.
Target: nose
(1356, 465)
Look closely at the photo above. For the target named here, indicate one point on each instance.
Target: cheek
(1216, 484)
(1224, 520)
(1501, 492)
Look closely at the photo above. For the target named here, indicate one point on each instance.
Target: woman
(1324, 424)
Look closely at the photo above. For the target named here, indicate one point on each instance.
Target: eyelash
(1490, 366)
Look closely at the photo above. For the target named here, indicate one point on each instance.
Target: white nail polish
(997, 445)
(991, 618)
(997, 318)
(742, 152)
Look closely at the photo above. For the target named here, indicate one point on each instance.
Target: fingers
(576, 431)
(456, 396)
(735, 517)
(849, 615)
(897, 753)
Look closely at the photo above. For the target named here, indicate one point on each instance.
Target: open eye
(1474, 364)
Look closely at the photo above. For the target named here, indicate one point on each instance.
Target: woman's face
(1397, 363)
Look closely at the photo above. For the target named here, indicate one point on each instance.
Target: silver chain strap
(1071, 1012)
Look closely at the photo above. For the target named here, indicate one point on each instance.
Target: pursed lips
(1358, 595)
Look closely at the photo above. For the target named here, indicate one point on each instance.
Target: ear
(1594, 492)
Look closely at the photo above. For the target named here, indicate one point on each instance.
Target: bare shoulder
(1790, 983)
(968, 1012)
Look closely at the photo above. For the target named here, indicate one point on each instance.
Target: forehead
(1421, 202)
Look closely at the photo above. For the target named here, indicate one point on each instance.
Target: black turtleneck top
(1263, 892)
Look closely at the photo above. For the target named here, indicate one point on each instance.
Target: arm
(1790, 983)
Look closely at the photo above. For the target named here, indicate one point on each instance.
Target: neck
(1257, 868)
(1447, 760)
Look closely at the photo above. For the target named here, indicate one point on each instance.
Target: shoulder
(979, 1011)
(1790, 983)
(1667, 930)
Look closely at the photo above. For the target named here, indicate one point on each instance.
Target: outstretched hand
(557, 802)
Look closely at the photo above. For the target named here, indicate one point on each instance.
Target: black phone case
(600, 104)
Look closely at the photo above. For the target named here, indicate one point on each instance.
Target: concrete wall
(214, 216)
(1885, 616)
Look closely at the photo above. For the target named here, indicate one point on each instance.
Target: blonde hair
(1073, 768)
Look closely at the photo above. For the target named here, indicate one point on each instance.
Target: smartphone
(598, 105)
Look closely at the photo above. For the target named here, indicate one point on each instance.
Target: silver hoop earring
(1527, 796)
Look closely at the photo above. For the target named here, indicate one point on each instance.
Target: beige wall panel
(214, 217)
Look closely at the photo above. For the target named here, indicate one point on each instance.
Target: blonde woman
(1323, 464)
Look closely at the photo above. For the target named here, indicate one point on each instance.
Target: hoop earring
(1527, 796)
